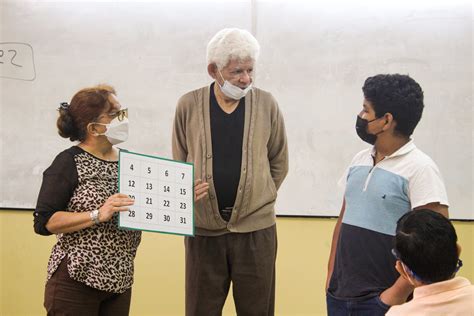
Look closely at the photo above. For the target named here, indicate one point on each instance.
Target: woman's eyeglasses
(120, 114)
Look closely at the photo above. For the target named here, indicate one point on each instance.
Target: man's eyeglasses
(397, 257)
(395, 254)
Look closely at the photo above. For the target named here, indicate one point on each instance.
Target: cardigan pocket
(263, 193)
(202, 213)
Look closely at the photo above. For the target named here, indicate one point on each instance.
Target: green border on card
(159, 158)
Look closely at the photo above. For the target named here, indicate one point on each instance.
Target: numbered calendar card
(163, 194)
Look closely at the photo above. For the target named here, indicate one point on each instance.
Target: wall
(303, 250)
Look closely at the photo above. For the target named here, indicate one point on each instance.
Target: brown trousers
(67, 297)
(245, 259)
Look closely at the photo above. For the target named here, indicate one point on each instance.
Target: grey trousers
(245, 259)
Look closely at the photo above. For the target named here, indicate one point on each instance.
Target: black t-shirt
(227, 132)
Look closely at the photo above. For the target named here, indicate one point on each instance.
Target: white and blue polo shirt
(376, 196)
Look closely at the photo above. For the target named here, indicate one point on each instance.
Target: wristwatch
(95, 216)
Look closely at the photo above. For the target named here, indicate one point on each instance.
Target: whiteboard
(314, 59)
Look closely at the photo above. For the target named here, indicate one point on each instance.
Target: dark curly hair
(426, 243)
(86, 106)
(399, 95)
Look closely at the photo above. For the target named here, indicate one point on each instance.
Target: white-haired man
(234, 134)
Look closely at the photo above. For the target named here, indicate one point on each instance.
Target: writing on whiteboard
(17, 61)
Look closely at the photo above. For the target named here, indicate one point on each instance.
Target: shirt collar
(439, 287)
(405, 149)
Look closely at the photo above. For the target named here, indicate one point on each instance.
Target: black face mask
(361, 129)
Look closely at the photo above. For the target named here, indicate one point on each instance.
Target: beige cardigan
(264, 160)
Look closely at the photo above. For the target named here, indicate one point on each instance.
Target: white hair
(229, 44)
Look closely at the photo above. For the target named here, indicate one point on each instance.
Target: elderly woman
(90, 270)
(235, 136)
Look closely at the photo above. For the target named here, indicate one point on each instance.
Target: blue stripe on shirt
(381, 204)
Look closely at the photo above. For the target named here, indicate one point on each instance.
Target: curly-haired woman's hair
(85, 107)
(399, 95)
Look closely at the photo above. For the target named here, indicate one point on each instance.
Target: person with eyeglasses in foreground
(427, 255)
(91, 267)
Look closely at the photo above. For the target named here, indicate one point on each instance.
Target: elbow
(285, 171)
(42, 230)
(40, 225)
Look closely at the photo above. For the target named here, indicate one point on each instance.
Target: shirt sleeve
(341, 183)
(57, 188)
(427, 186)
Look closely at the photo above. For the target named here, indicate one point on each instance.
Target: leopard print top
(100, 256)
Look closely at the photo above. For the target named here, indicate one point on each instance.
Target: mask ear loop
(408, 273)
(375, 119)
(96, 133)
(414, 275)
(220, 73)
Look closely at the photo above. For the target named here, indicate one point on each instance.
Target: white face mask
(117, 131)
(232, 91)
